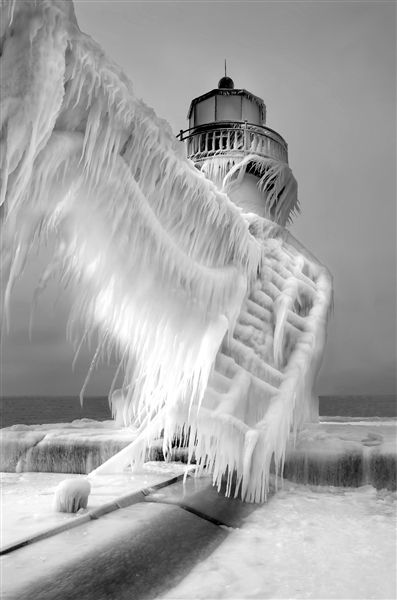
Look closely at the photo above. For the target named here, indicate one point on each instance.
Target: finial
(226, 83)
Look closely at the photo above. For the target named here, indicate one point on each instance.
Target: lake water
(31, 410)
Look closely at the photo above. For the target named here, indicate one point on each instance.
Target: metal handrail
(231, 138)
(263, 129)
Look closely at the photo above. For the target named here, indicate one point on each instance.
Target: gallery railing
(225, 138)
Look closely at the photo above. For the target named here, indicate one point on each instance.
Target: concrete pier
(349, 453)
(344, 453)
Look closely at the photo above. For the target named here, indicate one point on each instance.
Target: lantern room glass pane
(251, 112)
(228, 108)
(205, 111)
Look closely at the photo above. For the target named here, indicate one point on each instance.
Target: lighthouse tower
(228, 140)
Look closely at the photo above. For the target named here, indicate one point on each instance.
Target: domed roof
(226, 83)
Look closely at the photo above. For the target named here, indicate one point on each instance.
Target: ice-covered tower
(229, 141)
(217, 316)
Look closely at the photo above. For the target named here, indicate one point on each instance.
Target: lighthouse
(229, 141)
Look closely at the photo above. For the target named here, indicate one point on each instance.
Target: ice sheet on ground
(307, 542)
(338, 437)
(27, 499)
(358, 420)
(82, 444)
(80, 429)
(77, 424)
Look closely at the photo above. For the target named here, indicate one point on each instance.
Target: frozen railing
(231, 138)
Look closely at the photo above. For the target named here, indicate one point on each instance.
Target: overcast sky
(327, 73)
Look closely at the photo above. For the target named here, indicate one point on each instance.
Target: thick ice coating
(71, 495)
(217, 318)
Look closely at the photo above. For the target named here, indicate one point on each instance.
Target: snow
(27, 499)
(352, 453)
(71, 495)
(306, 542)
(162, 264)
(75, 447)
(341, 436)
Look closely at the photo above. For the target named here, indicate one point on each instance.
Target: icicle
(276, 182)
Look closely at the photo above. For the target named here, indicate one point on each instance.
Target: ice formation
(71, 495)
(276, 181)
(218, 317)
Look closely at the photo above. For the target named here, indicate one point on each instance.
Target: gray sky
(326, 71)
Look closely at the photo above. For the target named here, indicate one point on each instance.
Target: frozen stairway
(261, 384)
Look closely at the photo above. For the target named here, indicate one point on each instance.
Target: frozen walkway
(189, 542)
(137, 551)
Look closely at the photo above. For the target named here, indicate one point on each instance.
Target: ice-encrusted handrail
(230, 138)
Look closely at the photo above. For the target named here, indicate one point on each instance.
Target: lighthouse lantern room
(228, 140)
